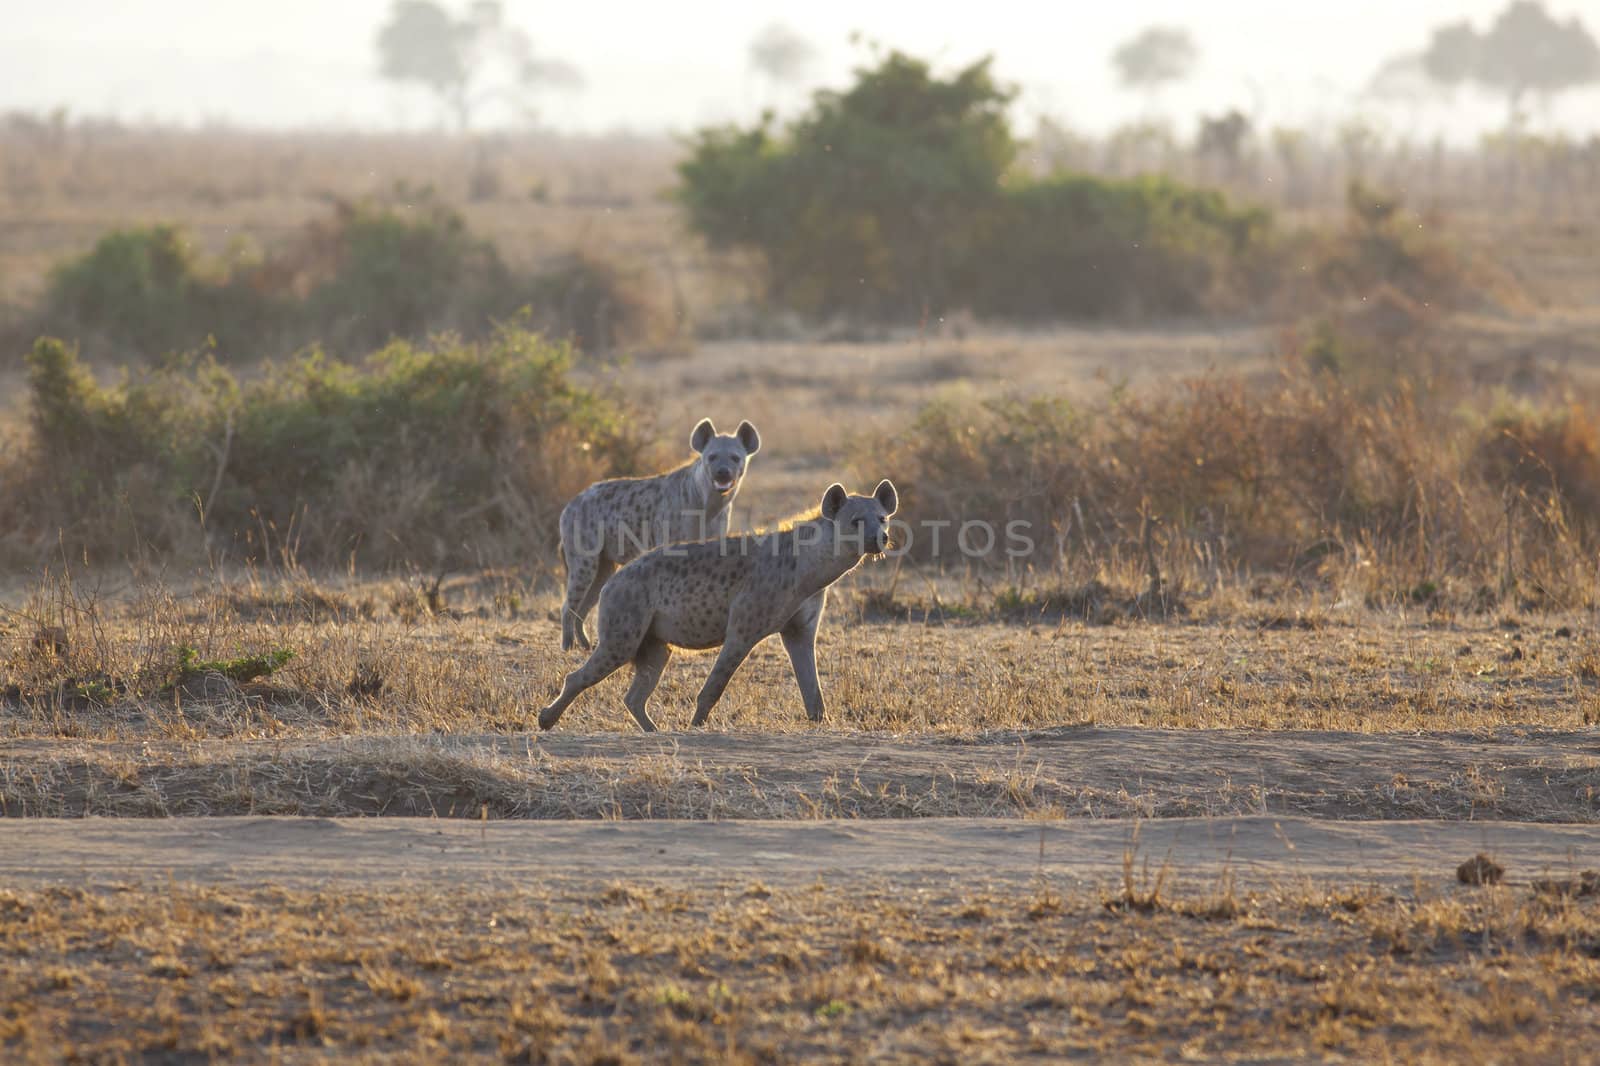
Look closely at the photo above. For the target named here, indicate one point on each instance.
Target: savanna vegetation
(348, 284)
(445, 455)
(1309, 471)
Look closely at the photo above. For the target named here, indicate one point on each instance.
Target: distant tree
(1454, 54)
(1154, 57)
(781, 55)
(1527, 50)
(464, 60)
(1224, 136)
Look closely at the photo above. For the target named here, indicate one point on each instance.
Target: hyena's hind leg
(582, 571)
(604, 568)
(648, 663)
(621, 633)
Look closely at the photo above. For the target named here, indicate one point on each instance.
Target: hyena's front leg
(800, 641)
(733, 653)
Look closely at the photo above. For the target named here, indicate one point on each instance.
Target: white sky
(671, 65)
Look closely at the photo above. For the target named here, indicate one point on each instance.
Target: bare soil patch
(312, 852)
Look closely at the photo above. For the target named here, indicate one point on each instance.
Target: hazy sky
(674, 65)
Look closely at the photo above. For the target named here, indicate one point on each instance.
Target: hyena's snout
(724, 478)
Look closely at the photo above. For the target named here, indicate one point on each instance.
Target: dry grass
(375, 659)
(239, 191)
(751, 972)
(384, 706)
(1522, 774)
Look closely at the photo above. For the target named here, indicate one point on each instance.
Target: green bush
(1085, 247)
(891, 200)
(348, 284)
(870, 202)
(143, 292)
(433, 456)
(407, 276)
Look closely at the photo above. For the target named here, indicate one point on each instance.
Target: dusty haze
(658, 68)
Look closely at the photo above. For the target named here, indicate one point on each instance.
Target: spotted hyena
(611, 523)
(733, 592)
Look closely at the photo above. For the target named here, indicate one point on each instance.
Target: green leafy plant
(241, 670)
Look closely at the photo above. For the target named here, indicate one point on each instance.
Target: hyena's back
(622, 519)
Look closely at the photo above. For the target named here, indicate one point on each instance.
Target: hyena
(610, 523)
(734, 593)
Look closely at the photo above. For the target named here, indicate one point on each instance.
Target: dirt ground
(1254, 851)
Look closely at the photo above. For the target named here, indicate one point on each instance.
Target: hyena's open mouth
(724, 486)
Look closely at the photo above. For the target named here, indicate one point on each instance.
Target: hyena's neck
(693, 493)
(823, 555)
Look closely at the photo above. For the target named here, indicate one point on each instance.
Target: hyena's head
(862, 521)
(724, 456)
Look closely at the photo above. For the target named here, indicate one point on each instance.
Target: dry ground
(926, 968)
(954, 867)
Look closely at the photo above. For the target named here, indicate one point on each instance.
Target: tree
(464, 60)
(1454, 54)
(1527, 50)
(1155, 56)
(781, 55)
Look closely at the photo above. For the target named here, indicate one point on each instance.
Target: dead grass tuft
(1480, 870)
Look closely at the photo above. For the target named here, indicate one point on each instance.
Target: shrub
(1078, 246)
(144, 292)
(433, 456)
(600, 306)
(1550, 456)
(870, 201)
(348, 284)
(1385, 247)
(405, 275)
(890, 200)
(1224, 476)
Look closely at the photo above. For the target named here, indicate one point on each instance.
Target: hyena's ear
(702, 435)
(886, 496)
(832, 500)
(749, 438)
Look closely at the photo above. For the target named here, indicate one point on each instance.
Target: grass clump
(424, 455)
